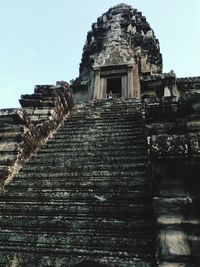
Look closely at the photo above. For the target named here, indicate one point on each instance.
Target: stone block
(32, 96)
(10, 119)
(45, 90)
(7, 158)
(5, 136)
(8, 146)
(169, 206)
(173, 244)
(36, 103)
(42, 111)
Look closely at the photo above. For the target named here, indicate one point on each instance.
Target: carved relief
(118, 55)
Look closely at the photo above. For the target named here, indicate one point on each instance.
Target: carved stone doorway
(123, 81)
(114, 87)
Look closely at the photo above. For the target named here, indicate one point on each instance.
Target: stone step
(71, 257)
(11, 136)
(84, 194)
(135, 174)
(34, 182)
(77, 209)
(101, 121)
(88, 121)
(7, 158)
(89, 146)
(65, 183)
(95, 237)
(169, 206)
(100, 116)
(179, 210)
(69, 167)
(43, 154)
(44, 243)
(98, 138)
(103, 118)
(103, 130)
(65, 223)
(84, 155)
(93, 159)
(99, 195)
(88, 151)
(95, 133)
(178, 221)
(14, 129)
(98, 141)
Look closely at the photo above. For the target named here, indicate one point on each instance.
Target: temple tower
(120, 51)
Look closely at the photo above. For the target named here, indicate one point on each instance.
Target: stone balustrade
(23, 131)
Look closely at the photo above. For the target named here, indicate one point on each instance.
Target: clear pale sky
(41, 41)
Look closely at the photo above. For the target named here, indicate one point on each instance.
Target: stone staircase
(85, 197)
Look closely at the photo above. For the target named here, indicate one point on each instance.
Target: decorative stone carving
(169, 145)
(121, 36)
(120, 55)
(195, 144)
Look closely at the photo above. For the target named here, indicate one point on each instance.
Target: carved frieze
(169, 145)
(115, 55)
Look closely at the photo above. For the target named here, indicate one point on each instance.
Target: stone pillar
(103, 87)
(130, 81)
(91, 87)
(136, 83)
(124, 86)
(96, 84)
(102, 93)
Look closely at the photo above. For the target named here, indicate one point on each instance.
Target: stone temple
(104, 171)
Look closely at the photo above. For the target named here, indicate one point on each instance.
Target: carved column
(96, 84)
(103, 87)
(136, 83)
(124, 86)
(130, 81)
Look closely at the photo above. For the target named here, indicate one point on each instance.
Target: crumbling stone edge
(23, 131)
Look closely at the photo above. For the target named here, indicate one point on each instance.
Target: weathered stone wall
(173, 129)
(23, 131)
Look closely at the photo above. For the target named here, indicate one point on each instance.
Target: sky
(41, 41)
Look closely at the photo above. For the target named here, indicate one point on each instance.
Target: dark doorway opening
(114, 87)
